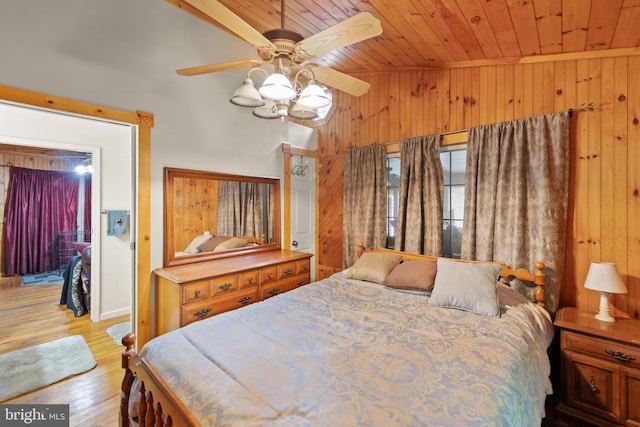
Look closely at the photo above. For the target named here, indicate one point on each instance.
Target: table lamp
(604, 278)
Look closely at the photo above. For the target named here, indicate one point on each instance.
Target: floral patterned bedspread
(343, 352)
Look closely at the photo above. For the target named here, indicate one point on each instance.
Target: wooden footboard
(146, 400)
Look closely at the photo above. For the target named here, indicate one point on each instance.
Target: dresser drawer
(224, 284)
(196, 291)
(219, 304)
(602, 348)
(249, 278)
(269, 274)
(288, 269)
(283, 286)
(303, 267)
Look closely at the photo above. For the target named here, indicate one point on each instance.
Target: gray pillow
(374, 266)
(467, 286)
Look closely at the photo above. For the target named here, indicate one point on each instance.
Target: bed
(364, 347)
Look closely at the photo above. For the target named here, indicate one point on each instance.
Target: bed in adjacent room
(397, 339)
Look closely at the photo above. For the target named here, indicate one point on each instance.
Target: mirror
(209, 215)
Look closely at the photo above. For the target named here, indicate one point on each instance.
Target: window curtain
(516, 196)
(228, 211)
(419, 227)
(40, 205)
(252, 220)
(365, 200)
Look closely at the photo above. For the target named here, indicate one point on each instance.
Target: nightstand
(600, 369)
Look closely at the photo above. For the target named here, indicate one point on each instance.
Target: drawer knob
(592, 386)
(288, 271)
(245, 300)
(251, 280)
(270, 276)
(225, 286)
(301, 282)
(202, 312)
(273, 291)
(620, 356)
(198, 294)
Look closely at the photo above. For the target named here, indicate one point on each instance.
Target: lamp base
(604, 318)
(603, 312)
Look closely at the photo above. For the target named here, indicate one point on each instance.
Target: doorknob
(294, 243)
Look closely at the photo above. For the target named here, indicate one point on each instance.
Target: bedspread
(342, 352)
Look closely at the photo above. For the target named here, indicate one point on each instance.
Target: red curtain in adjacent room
(40, 204)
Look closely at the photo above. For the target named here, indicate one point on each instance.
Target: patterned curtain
(516, 196)
(228, 213)
(419, 228)
(365, 200)
(251, 221)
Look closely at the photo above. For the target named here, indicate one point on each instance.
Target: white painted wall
(110, 145)
(123, 54)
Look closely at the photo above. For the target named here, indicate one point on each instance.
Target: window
(393, 196)
(453, 167)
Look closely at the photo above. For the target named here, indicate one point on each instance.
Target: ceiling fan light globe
(303, 112)
(278, 88)
(268, 111)
(247, 95)
(313, 96)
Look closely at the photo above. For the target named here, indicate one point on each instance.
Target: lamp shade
(313, 96)
(604, 277)
(268, 111)
(247, 95)
(278, 88)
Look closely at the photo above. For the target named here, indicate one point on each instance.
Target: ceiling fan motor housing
(284, 41)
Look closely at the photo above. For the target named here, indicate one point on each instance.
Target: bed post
(540, 283)
(361, 249)
(128, 341)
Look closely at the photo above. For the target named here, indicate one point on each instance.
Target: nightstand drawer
(602, 348)
(592, 385)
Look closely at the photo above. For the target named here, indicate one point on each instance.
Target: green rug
(31, 368)
(118, 331)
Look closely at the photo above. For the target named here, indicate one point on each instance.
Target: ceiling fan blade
(339, 80)
(233, 22)
(212, 68)
(352, 30)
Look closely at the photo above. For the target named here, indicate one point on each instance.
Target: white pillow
(467, 286)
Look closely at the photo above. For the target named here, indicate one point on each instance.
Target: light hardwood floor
(32, 315)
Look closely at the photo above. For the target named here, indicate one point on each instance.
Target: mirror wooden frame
(169, 230)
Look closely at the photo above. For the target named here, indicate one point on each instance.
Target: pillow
(212, 243)
(467, 286)
(197, 241)
(231, 243)
(413, 275)
(374, 267)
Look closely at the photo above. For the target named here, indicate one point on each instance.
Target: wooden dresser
(600, 369)
(190, 292)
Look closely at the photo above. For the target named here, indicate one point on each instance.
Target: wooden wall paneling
(601, 140)
(582, 254)
(627, 29)
(633, 192)
(602, 23)
(549, 23)
(575, 18)
(527, 32)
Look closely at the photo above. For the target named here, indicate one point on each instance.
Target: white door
(303, 205)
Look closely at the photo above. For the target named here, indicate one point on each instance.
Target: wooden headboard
(507, 273)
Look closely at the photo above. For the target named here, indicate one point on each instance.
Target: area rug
(44, 278)
(31, 368)
(118, 331)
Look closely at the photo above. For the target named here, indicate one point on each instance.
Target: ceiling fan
(287, 50)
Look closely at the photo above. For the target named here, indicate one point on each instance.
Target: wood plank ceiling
(426, 34)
